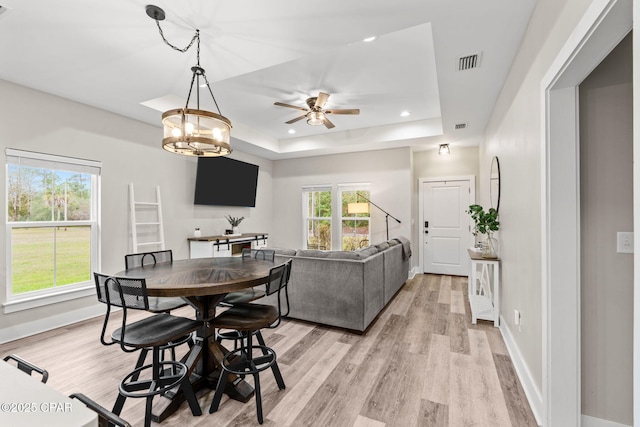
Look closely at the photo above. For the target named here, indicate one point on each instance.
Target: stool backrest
(147, 258)
(121, 292)
(263, 254)
(277, 282)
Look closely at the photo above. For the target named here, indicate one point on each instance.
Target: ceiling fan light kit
(315, 113)
(192, 131)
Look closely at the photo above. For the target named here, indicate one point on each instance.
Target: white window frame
(305, 210)
(365, 186)
(56, 294)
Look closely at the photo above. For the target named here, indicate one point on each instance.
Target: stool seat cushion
(246, 295)
(247, 317)
(156, 330)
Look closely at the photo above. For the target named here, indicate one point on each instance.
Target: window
(355, 232)
(322, 219)
(52, 227)
(317, 212)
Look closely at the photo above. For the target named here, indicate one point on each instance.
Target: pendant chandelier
(189, 131)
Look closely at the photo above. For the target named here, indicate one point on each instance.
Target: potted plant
(485, 223)
(235, 222)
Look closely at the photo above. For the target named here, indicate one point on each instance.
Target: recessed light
(292, 131)
(405, 114)
(369, 39)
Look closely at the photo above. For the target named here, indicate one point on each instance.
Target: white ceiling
(110, 55)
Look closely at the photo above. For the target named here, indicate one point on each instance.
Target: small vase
(490, 247)
(197, 233)
(236, 230)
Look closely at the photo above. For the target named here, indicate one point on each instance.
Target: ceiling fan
(315, 113)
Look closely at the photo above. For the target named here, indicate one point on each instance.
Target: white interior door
(446, 227)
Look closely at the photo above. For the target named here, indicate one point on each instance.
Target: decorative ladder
(150, 223)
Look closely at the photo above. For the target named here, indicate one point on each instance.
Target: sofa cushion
(344, 255)
(284, 251)
(367, 252)
(312, 253)
(382, 246)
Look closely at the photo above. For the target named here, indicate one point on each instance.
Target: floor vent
(469, 62)
(459, 126)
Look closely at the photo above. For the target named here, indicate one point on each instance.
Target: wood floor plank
(401, 302)
(436, 385)
(458, 333)
(444, 297)
(461, 405)
(395, 398)
(339, 404)
(289, 407)
(489, 402)
(519, 409)
(367, 422)
(433, 414)
(457, 302)
(421, 362)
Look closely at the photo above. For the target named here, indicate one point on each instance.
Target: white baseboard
(588, 421)
(534, 395)
(413, 272)
(49, 323)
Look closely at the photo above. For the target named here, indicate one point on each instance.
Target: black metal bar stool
(248, 320)
(152, 332)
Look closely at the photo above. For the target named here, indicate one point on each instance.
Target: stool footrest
(131, 386)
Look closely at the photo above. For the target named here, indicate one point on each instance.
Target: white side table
(484, 288)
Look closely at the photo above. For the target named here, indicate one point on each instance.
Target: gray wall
(606, 199)
(130, 151)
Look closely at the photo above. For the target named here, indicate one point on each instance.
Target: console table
(484, 288)
(225, 245)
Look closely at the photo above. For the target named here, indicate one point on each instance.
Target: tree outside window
(318, 214)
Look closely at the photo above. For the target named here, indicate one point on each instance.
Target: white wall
(514, 135)
(130, 151)
(388, 172)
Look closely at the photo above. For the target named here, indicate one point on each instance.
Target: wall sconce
(443, 150)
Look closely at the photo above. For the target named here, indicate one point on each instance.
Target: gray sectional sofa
(345, 289)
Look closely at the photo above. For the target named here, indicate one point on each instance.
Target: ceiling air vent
(468, 62)
(459, 126)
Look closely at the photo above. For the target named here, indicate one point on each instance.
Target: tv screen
(222, 181)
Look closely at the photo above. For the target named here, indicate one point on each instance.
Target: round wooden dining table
(202, 282)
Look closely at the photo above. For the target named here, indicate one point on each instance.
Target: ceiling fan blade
(328, 123)
(296, 119)
(322, 99)
(281, 104)
(347, 111)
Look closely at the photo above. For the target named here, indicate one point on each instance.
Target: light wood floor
(421, 363)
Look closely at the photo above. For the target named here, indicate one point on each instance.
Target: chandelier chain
(184, 49)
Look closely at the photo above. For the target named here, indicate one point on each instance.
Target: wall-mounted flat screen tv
(221, 181)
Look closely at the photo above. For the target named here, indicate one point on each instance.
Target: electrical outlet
(625, 242)
(516, 317)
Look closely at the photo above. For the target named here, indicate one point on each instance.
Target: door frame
(603, 26)
(421, 182)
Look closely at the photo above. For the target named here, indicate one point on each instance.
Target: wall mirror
(494, 184)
